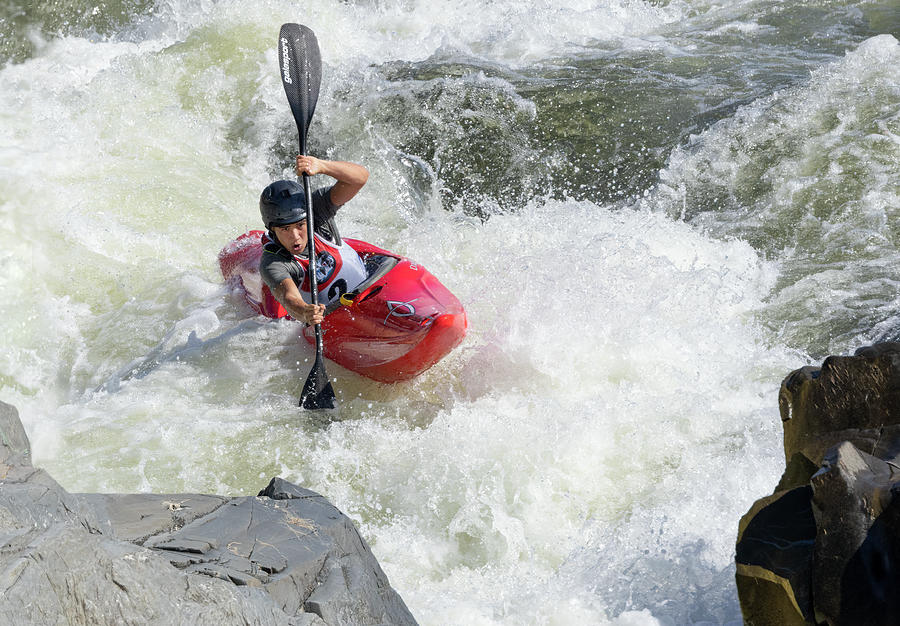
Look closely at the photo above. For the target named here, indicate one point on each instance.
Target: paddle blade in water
(317, 392)
(300, 67)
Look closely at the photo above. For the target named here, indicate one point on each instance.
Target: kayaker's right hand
(313, 314)
(288, 295)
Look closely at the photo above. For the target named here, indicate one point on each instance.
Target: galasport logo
(400, 309)
(285, 62)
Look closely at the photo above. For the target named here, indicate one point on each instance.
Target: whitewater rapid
(585, 455)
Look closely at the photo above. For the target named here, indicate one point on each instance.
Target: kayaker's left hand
(350, 177)
(308, 165)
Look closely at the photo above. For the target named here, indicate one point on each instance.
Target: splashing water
(649, 227)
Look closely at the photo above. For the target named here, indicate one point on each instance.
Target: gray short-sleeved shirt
(277, 263)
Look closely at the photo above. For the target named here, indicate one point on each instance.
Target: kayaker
(285, 261)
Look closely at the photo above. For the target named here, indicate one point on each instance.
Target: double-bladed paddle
(300, 66)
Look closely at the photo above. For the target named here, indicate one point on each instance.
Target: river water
(652, 211)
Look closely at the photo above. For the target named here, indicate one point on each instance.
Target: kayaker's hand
(287, 294)
(350, 177)
(313, 314)
(308, 165)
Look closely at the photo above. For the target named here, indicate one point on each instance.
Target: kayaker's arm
(288, 295)
(350, 176)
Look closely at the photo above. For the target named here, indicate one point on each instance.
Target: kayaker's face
(292, 237)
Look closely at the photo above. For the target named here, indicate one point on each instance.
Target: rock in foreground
(286, 556)
(825, 547)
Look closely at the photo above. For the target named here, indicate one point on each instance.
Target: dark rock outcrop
(286, 556)
(825, 547)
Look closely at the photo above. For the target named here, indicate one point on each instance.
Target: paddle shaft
(311, 250)
(303, 131)
(301, 73)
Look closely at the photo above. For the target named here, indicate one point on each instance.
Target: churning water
(652, 211)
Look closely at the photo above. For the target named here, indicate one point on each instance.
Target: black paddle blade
(301, 73)
(317, 392)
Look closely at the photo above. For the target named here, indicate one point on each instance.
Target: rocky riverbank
(825, 546)
(286, 556)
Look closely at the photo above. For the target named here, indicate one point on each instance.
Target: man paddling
(285, 261)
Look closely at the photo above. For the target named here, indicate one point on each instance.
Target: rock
(138, 517)
(855, 399)
(825, 547)
(286, 556)
(856, 570)
(774, 559)
(15, 450)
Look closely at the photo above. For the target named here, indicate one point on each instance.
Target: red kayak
(392, 327)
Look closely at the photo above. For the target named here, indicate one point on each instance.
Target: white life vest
(339, 269)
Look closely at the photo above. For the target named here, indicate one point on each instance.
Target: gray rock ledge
(286, 556)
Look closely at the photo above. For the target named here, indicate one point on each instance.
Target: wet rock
(855, 399)
(286, 556)
(856, 569)
(825, 547)
(774, 559)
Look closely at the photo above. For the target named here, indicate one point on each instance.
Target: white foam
(808, 174)
(594, 368)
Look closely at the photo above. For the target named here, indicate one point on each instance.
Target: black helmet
(281, 203)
